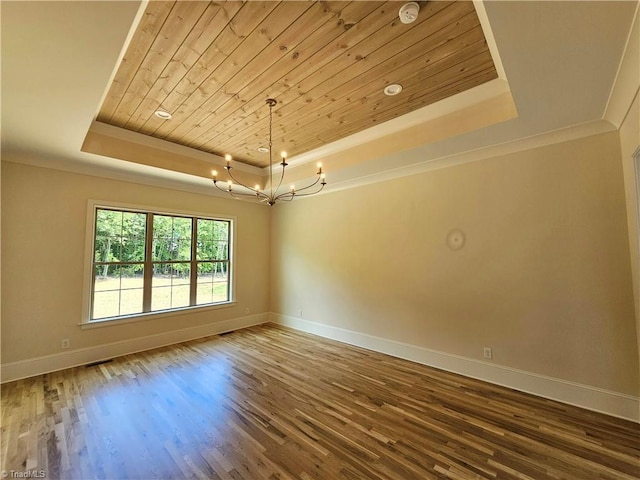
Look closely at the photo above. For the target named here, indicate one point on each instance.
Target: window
(147, 262)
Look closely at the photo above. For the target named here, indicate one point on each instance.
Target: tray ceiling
(212, 65)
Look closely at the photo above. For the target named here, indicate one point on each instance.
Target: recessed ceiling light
(263, 149)
(393, 89)
(163, 115)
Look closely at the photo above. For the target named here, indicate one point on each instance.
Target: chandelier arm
(237, 195)
(284, 197)
(242, 194)
(257, 193)
(226, 190)
(308, 186)
(280, 182)
(288, 196)
(215, 183)
(296, 194)
(238, 182)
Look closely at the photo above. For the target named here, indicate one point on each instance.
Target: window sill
(143, 317)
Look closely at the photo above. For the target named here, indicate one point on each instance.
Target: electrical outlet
(300, 312)
(246, 310)
(66, 343)
(487, 353)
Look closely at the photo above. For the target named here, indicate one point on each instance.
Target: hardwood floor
(267, 402)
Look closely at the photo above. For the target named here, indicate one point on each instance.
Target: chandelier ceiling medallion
(270, 195)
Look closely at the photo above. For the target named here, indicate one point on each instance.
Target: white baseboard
(585, 396)
(82, 356)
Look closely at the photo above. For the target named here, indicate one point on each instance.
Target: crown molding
(548, 138)
(627, 82)
(153, 176)
(119, 170)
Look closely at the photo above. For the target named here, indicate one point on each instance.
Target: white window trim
(92, 205)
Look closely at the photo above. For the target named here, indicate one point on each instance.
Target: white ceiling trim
(134, 26)
(488, 35)
(536, 141)
(112, 169)
(153, 142)
(627, 81)
(468, 98)
(156, 177)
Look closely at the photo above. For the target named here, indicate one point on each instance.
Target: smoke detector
(409, 12)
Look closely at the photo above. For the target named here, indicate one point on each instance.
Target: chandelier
(270, 195)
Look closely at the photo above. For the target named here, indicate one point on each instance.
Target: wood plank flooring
(272, 403)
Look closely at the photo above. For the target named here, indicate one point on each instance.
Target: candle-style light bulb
(319, 167)
(283, 154)
(257, 187)
(293, 189)
(227, 157)
(229, 183)
(214, 173)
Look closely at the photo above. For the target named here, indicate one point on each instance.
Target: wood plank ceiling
(212, 65)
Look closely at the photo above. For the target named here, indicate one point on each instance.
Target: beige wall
(629, 143)
(544, 277)
(44, 218)
(624, 111)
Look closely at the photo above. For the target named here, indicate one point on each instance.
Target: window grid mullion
(148, 264)
(93, 265)
(194, 263)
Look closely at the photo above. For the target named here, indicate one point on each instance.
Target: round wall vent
(455, 239)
